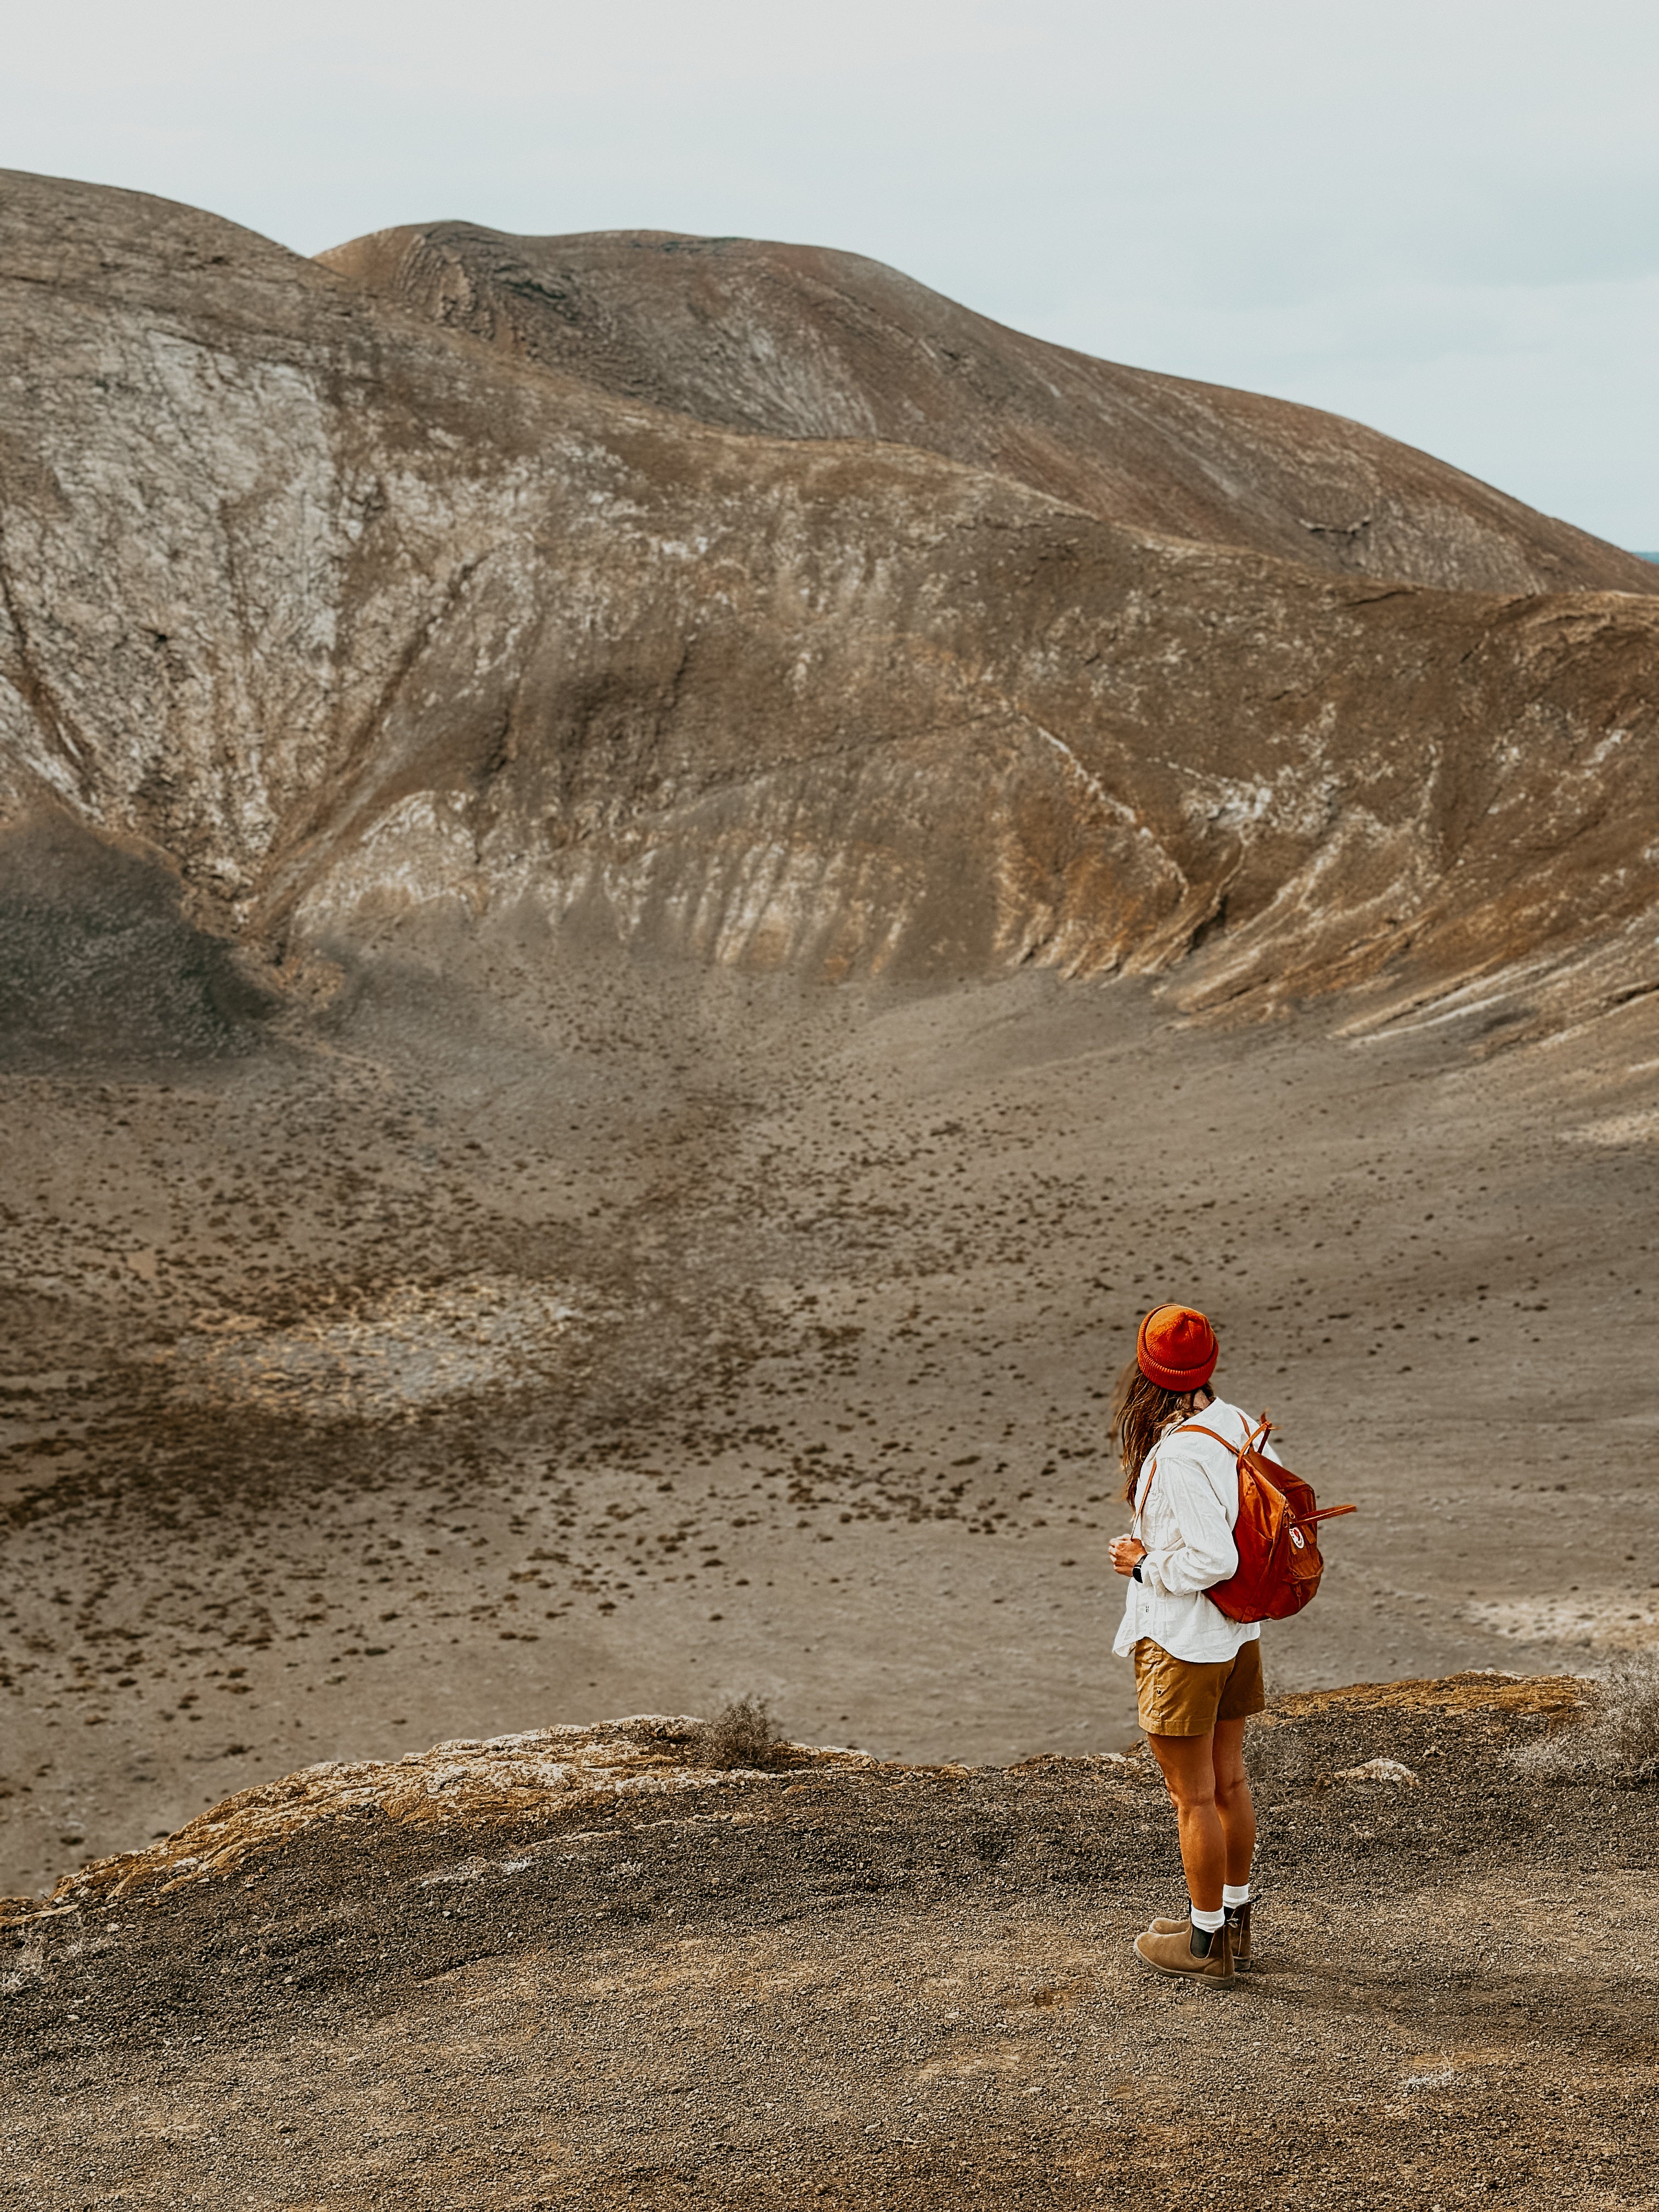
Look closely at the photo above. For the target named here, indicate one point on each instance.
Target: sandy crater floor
(460, 1373)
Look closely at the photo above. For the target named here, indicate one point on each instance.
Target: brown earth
(582, 1969)
(798, 341)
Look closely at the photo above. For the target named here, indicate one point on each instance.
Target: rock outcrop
(339, 616)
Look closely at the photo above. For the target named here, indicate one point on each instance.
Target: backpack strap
(1146, 1492)
(1199, 1429)
(1254, 1437)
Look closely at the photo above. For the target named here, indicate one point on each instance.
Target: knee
(1191, 1795)
(1232, 1789)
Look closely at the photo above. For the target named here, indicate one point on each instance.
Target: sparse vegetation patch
(1621, 1736)
(743, 1734)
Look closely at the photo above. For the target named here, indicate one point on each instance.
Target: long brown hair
(1141, 1410)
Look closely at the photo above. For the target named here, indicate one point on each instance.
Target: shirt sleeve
(1204, 1553)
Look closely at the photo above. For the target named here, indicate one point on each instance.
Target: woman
(1198, 1675)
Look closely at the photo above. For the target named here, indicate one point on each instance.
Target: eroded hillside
(798, 341)
(337, 619)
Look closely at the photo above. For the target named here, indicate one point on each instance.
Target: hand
(1127, 1550)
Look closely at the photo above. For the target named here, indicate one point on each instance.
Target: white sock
(1209, 1922)
(1235, 1893)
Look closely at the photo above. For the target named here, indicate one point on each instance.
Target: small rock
(1377, 1770)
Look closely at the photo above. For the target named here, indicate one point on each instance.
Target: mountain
(798, 342)
(345, 625)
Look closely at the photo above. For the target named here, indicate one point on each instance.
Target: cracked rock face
(320, 617)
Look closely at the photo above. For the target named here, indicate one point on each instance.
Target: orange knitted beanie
(1177, 1348)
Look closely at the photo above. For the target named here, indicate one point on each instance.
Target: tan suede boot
(1238, 1922)
(1238, 1927)
(1169, 1951)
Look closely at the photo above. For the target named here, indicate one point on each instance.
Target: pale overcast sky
(1441, 216)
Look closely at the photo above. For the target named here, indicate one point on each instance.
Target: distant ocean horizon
(1645, 556)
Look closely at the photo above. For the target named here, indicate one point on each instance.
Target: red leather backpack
(1279, 1562)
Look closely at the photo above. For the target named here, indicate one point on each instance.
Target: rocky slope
(337, 618)
(581, 1968)
(797, 341)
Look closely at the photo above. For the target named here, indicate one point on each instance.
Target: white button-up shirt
(1185, 1504)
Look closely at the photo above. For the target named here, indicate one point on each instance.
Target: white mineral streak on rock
(419, 852)
(460, 1782)
(1114, 809)
(1377, 1770)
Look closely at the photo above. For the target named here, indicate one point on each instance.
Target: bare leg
(1189, 1767)
(1235, 1807)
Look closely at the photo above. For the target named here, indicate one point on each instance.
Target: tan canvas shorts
(1180, 1696)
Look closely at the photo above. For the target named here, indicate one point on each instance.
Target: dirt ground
(873, 1986)
(462, 1370)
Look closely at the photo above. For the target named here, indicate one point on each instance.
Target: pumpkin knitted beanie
(1177, 1348)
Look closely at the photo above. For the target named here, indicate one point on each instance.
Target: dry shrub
(1621, 1737)
(742, 1734)
(1630, 1707)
